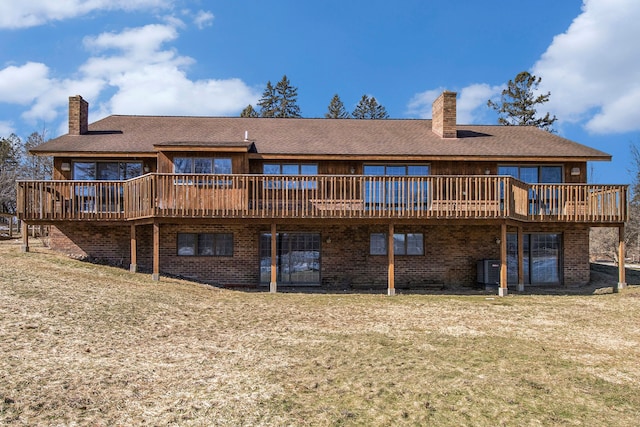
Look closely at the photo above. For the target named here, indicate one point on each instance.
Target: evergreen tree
(336, 109)
(249, 111)
(280, 101)
(287, 96)
(269, 101)
(517, 106)
(368, 108)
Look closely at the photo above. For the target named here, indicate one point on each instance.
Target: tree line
(281, 101)
(17, 163)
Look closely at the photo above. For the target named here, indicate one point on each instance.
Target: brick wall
(106, 244)
(443, 115)
(78, 115)
(450, 256)
(576, 267)
(451, 252)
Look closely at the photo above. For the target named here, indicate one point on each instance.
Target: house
(322, 202)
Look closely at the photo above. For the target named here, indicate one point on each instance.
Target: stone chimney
(443, 115)
(78, 115)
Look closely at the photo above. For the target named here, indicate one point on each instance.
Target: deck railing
(320, 196)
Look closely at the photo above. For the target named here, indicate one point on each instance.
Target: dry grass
(83, 344)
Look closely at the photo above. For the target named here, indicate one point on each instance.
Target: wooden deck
(285, 196)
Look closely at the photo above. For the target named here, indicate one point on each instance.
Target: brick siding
(451, 252)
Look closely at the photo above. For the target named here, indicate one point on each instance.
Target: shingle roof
(146, 134)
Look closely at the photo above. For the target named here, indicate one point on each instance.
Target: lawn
(83, 344)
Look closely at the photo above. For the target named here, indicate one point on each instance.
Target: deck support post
(622, 279)
(273, 284)
(156, 252)
(133, 267)
(502, 290)
(520, 260)
(391, 289)
(25, 237)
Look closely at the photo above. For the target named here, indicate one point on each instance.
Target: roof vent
(246, 135)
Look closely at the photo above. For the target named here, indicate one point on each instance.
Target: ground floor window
(541, 258)
(297, 258)
(205, 244)
(403, 244)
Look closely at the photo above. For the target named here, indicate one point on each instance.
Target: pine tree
(368, 108)
(249, 111)
(280, 101)
(336, 109)
(287, 96)
(517, 106)
(377, 110)
(269, 101)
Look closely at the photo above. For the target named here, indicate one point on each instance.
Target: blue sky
(182, 57)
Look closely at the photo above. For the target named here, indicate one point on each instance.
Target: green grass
(94, 345)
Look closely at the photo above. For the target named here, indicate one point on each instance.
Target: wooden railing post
(25, 237)
(156, 252)
(133, 266)
(273, 284)
(502, 291)
(622, 279)
(391, 288)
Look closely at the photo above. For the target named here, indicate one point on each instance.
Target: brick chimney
(78, 115)
(443, 115)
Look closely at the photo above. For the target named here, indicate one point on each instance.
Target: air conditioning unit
(489, 272)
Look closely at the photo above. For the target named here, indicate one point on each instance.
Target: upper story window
(396, 170)
(533, 174)
(216, 165)
(391, 193)
(289, 169)
(106, 171)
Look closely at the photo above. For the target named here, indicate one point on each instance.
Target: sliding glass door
(541, 258)
(297, 258)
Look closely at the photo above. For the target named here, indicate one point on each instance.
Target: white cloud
(203, 19)
(31, 85)
(420, 104)
(50, 103)
(23, 84)
(30, 13)
(6, 129)
(593, 69)
(470, 104)
(140, 73)
(134, 41)
(153, 80)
